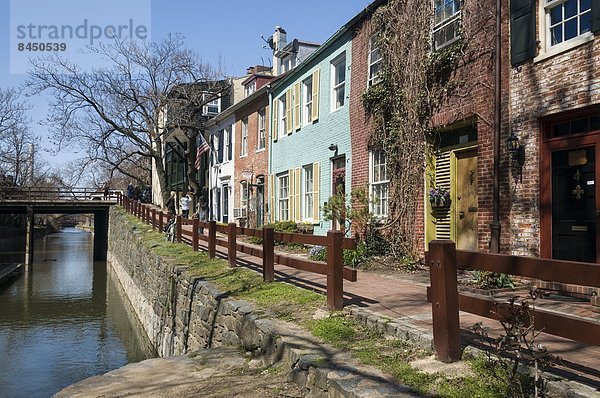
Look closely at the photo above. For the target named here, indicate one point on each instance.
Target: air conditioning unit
(239, 213)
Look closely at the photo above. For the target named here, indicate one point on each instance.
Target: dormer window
(213, 106)
(446, 23)
(250, 88)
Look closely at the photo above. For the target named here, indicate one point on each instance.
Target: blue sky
(226, 32)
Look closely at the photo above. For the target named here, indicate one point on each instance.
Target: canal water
(64, 320)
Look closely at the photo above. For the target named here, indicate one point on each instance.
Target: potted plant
(439, 197)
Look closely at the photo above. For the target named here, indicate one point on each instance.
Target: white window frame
(307, 100)
(250, 88)
(262, 130)
(227, 146)
(244, 194)
(447, 21)
(210, 103)
(282, 118)
(546, 48)
(225, 201)
(378, 209)
(339, 61)
(373, 49)
(244, 143)
(308, 192)
(283, 202)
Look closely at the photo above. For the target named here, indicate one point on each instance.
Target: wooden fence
(444, 261)
(335, 242)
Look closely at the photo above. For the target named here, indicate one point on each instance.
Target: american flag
(202, 146)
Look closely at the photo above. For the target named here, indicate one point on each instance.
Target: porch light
(512, 144)
(517, 155)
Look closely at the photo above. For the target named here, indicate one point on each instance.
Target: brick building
(252, 149)
(555, 114)
(464, 154)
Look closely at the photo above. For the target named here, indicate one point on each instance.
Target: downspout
(495, 224)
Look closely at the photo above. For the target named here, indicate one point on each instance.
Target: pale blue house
(310, 131)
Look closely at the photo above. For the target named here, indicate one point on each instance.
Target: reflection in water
(64, 320)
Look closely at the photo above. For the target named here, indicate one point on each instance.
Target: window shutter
(315, 95)
(271, 188)
(297, 106)
(291, 194)
(298, 191)
(230, 141)
(275, 119)
(522, 31)
(316, 185)
(443, 179)
(288, 112)
(595, 16)
(220, 147)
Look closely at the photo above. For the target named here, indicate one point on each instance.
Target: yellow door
(465, 200)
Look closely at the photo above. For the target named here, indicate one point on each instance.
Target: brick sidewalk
(402, 297)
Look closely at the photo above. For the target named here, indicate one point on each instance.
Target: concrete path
(214, 373)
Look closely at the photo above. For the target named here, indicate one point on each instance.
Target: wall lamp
(517, 155)
(333, 147)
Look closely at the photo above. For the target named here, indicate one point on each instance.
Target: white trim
(244, 138)
(372, 80)
(381, 182)
(306, 96)
(546, 50)
(305, 214)
(342, 85)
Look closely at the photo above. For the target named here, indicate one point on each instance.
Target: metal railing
(32, 194)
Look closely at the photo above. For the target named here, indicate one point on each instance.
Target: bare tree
(13, 111)
(116, 113)
(17, 142)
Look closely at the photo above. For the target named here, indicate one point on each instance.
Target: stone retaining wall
(182, 313)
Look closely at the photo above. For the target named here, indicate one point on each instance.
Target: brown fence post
(153, 219)
(195, 234)
(335, 270)
(231, 244)
(444, 300)
(178, 228)
(160, 221)
(144, 218)
(268, 255)
(212, 239)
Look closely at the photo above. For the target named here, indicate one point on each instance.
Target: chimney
(279, 38)
(279, 42)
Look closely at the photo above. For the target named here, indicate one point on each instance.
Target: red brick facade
(474, 103)
(255, 162)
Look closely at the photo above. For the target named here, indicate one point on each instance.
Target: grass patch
(394, 357)
(282, 300)
(335, 330)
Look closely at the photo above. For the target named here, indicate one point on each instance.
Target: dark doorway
(338, 186)
(260, 204)
(574, 204)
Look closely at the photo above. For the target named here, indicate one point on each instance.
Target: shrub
(318, 253)
(353, 258)
(493, 280)
(279, 226)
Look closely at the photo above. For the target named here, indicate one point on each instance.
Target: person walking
(184, 202)
(171, 204)
(130, 191)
